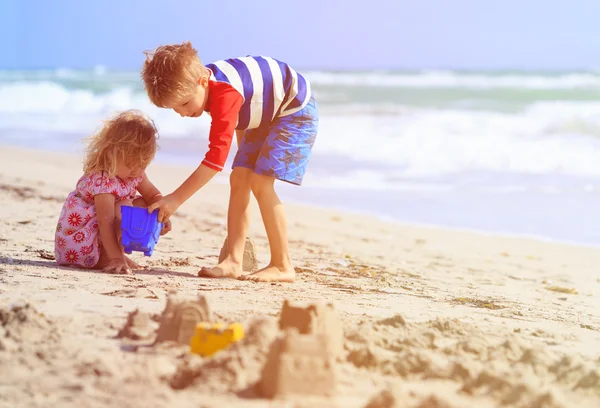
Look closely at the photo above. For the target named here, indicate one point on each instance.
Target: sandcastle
(303, 360)
(249, 262)
(316, 319)
(298, 364)
(180, 317)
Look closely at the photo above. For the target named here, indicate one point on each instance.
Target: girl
(88, 230)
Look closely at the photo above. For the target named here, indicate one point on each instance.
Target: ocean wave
(560, 137)
(430, 79)
(50, 106)
(450, 79)
(545, 138)
(98, 73)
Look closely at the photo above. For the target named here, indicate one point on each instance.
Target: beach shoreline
(519, 316)
(517, 205)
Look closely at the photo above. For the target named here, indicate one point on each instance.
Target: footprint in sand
(133, 293)
(300, 269)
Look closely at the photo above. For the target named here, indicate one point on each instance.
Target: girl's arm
(105, 211)
(149, 192)
(151, 195)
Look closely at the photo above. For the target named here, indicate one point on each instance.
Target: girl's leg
(104, 259)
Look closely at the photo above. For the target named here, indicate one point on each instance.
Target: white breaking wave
(48, 106)
(450, 79)
(544, 138)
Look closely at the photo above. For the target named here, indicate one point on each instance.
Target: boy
(272, 111)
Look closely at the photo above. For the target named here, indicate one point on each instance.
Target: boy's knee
(259, 184)
(240, 178)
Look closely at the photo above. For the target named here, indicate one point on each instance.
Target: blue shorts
(281, 149)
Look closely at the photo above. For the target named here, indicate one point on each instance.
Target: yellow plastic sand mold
(212, 337)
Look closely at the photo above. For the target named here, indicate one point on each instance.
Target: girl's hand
(117, 265)
(166, 207)
(166, 227)
(131, 263)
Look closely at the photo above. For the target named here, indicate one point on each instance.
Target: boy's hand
(166, 207)
(166, 227)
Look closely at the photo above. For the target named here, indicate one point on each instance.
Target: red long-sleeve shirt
(223, 105)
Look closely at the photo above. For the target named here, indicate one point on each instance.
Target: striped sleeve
(224, 106)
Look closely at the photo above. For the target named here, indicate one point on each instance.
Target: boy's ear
(203, 81)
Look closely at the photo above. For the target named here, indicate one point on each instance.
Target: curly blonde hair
(171, 72)
(129, 138)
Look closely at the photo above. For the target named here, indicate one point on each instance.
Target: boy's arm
(171, 202)
(194, 182)
(225, 106)
(224, 109)
(201, 176)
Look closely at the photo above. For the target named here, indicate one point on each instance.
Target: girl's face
(126, 173)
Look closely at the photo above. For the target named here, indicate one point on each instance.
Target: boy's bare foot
(225, 269)
(271, 273)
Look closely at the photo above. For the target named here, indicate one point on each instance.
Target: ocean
(503, 152)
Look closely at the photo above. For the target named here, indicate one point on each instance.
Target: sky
(315, 34)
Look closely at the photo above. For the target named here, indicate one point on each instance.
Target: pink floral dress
(77, 240)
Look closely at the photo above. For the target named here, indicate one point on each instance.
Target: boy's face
(193, 105)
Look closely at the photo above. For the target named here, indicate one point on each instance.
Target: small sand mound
(393, 398)
(234, 369)
(139, 326)
(434, 402)
(394, 321)
(388, 398)
(511, 371)
(365, 357)
(21, 325)
(449, 326)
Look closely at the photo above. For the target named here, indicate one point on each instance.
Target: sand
(430, 317)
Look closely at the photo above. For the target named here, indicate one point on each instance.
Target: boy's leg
(271, 209)
(284, 156)
(238, 214)
(238, 222)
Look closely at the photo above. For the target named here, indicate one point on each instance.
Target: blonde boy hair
(171, 73)
(129, 138)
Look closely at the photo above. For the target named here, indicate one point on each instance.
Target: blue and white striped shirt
(270, 88)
